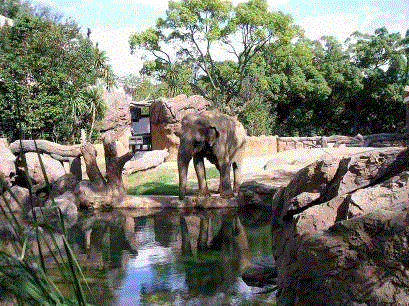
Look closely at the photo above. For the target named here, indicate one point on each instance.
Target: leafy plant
(52, 69)
(23, 269)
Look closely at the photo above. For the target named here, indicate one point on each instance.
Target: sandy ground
(282, 165)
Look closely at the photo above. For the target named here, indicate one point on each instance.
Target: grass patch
(163, 181)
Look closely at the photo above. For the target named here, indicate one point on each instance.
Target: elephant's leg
(201, 174)
(225, 183)
(203, 233)
(237, 175)
(186, 246)
(183, 165)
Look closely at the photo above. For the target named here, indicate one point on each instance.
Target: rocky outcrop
(254, 194)
(53, 168)
(7, 164)
(340, 228)
(15, 200)
(117, 117)
(145, 160)
(165, 116)
(360, 261)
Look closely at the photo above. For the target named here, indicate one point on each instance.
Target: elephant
(217, 137)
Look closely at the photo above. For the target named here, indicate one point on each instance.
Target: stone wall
(260, 145)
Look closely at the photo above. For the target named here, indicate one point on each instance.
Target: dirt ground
(281, 166)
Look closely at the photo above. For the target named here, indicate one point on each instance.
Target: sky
(112, 22)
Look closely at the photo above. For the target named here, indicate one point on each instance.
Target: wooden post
(406, 102)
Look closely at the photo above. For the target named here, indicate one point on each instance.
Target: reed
(32, 247)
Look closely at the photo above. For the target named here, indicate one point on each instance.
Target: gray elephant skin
(216, 137)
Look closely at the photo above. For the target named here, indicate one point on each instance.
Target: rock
(145, 160)
(358, 261)
(64, 183)
(8, 200)
(90, 196)
(339, 231)
(118, 116)
(53, 168)
(310, 183)
(362, 170)
(49, 215)
(165, 110)
(255, 194)
(260, 274)
(165, 116)
(7, 165)
(392, 191)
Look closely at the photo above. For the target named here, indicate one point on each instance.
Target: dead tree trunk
(97, 191)
(114, 164)
(101, 191)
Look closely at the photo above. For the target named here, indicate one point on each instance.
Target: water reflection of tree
(104, 242)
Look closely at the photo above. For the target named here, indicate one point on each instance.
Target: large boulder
(360, 261)
(254, 194)
(64, 206)
(339, 231)
(313, 250)
(166, 115)
(53, 168)
(7, 165)
(145, 160)
(118, 116)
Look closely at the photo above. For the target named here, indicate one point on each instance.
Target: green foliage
(9, 8)
(184, 46)
(273, 77)
(46, 69)
(23, 272)
(256, 118)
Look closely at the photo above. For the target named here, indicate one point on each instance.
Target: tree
(197, 34)
(47, 70)
(9, 8)
(378, 106)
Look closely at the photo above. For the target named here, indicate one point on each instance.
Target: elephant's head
(195, 134)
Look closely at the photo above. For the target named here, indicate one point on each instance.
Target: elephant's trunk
(184, 157)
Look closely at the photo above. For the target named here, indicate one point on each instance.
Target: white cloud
(115, 44)
(270, 2)
(161, 4)
(365, 19)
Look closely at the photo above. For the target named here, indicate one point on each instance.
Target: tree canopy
(257, 64)
(48, 77)
(213, 41)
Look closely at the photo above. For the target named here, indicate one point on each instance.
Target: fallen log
(45, 146)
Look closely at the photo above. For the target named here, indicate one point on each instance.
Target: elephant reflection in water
(218, 261)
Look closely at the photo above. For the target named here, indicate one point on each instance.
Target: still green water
(172, 257)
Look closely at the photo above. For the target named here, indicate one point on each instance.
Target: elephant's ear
(212, 135)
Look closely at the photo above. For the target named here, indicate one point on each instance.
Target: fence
(265, 145)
